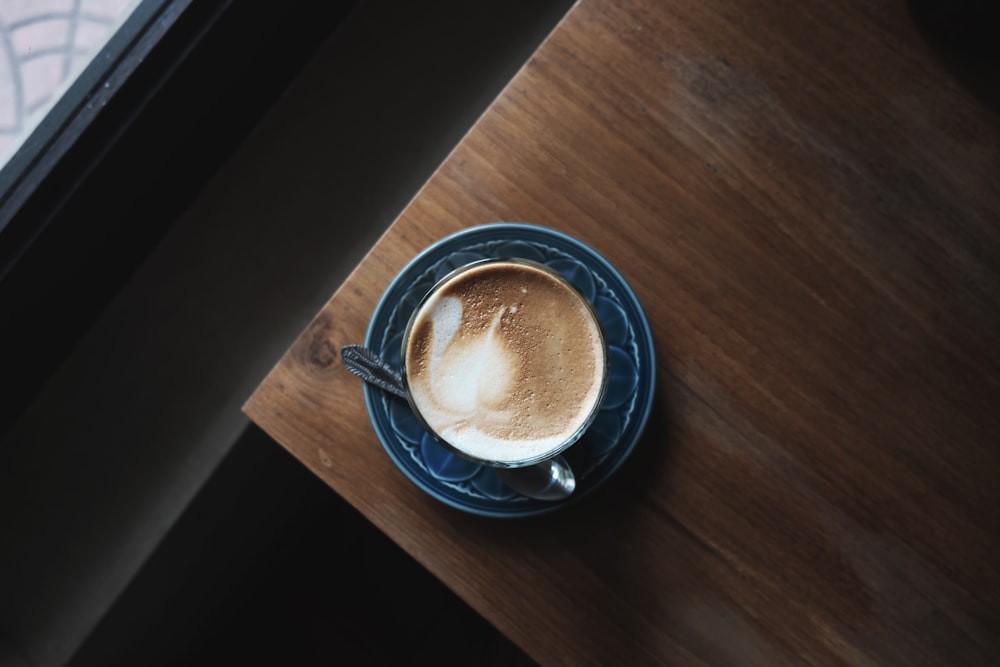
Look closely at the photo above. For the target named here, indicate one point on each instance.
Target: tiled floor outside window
(44, 45)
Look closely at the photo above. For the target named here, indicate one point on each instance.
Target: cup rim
(595, 408)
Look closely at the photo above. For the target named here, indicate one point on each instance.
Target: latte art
(505, 362)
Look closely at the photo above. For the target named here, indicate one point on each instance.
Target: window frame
(82, 100)
(103, 177)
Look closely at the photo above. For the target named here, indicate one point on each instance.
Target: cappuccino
(505, 362)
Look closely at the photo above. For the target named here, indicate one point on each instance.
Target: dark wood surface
(805, 197)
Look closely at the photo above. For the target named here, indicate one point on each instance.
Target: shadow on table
(965, 37)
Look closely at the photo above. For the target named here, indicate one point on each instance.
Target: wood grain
(805, 198)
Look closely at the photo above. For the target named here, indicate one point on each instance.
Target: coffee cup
(505, 362)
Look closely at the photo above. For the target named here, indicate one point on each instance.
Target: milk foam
(469, 375)
(487, 364)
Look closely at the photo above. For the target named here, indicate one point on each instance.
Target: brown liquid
(505, 362)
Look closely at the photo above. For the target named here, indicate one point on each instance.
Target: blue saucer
(627, 404)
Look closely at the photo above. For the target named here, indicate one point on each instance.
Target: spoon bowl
(551, 479)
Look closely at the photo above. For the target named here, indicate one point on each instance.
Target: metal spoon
(551, 479)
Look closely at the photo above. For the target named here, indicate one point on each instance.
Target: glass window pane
(44, 45)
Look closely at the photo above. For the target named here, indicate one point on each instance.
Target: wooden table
(804, 196)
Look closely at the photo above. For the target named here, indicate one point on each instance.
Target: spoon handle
(371, 368)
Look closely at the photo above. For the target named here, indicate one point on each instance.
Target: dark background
(152, 275)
